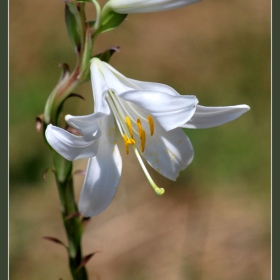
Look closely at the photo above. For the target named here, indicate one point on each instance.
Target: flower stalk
(72, 223)
(80, 35)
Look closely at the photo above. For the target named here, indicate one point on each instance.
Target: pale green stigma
(158, 191)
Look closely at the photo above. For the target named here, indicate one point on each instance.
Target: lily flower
(146, 6)
(149, 117)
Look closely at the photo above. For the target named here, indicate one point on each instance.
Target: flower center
(126, 125)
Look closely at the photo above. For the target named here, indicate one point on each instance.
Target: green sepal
(72, 28)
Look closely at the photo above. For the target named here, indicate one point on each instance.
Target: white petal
(119, 83)
(99, 87)
(205, 117)
(169, 111)
(114, 80)
(103, 173)
(145, 6)
(70, 146)
(86, 125)
(168, 152)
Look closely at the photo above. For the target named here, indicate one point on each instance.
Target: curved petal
(168, 152)
(99, 87)
(170, 111)
(69, 145)
(114, 79)
(117, 81)
(205, 117)
(103, 173)
(152, 86)
(86, 125)
(145, 6)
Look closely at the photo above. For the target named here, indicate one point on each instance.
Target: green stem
(73, 225)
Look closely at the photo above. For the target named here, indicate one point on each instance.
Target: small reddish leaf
(80, 172)
(85, 221)
(85, 260)
(55, 240)
(44, 174)
(65, 70)
(39, 122)
(106, 55)
(73, 215)
(76, 95)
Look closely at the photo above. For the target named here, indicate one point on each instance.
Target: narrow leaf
(85, 261)
(85, 221)
(65, 70)
(72, 27)
(45, 171)
(73, 215)
(75, 95)
(55, 240)
(106, 55)
(39, 122)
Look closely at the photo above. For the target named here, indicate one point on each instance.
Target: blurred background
(214, 222)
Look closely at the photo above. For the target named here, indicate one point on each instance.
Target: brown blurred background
(214, 222)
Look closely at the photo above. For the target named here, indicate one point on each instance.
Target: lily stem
(72, 222)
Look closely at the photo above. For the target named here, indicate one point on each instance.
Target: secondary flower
(145, 6)
(149, 117)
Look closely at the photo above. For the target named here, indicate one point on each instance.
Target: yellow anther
(151, 123)
(126, 144)
(131, 141)
(128, 122)
(143, 140)
(139, 127)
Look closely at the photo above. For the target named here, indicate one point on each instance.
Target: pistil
(158, 191)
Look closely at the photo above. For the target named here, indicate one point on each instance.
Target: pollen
(151, 123)
(128, 122)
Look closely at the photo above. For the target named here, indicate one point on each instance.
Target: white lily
(149, 117)
(146, 6)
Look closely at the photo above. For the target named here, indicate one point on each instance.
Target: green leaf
(86, 55)
(106, 55)
(110, 20)
(72, 27)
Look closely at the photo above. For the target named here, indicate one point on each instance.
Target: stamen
(131, 141)
(128, 141)
(139, 127)
(151, 123)
(143, 140)
(158, 191)
(127, 120)
(126, 144)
